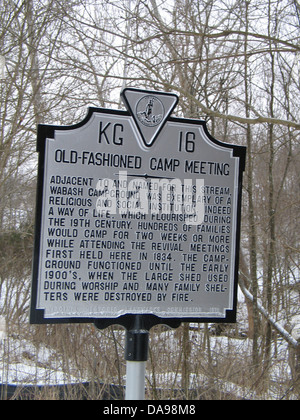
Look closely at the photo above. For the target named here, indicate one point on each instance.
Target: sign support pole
(136, 356)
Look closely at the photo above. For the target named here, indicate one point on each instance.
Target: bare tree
(234, 64)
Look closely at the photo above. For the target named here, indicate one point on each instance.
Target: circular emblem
(150, 111)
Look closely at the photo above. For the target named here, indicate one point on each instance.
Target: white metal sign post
(137, 223)
(136, 356)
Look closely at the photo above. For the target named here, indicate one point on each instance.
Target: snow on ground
(235, 351)
(21, 363)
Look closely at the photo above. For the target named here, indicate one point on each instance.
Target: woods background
(234, 63)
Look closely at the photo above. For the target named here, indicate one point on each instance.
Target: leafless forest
(234, 63)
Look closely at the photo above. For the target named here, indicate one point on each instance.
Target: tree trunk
(252, 229)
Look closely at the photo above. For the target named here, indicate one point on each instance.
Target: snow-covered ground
(223, 349)
(21, 363)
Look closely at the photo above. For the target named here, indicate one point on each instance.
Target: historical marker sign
(137, 213)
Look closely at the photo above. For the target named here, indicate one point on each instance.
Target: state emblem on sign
(150, 111)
